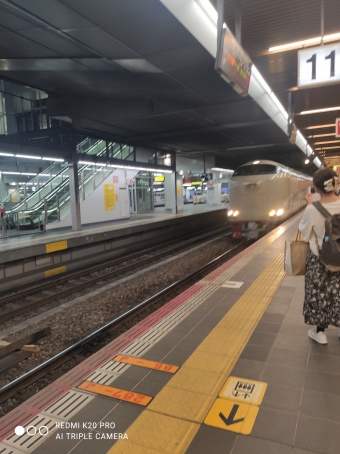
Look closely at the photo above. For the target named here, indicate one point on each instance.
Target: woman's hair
(326, 180)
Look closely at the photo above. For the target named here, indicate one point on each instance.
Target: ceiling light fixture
(118, 166)
(328, 142)
(304, 43)
(10, 173)
(6, 154)
(330, 125)
(317, 162)
(321, 135)
(327, 148)
(326, 109)
(28, 157)
(54, 159)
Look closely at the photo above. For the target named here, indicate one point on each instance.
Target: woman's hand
(309, 198)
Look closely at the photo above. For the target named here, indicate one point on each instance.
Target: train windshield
(255, 169)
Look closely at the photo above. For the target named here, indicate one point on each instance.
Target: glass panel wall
(144, 192)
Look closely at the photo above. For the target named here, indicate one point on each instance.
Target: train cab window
(255, 169)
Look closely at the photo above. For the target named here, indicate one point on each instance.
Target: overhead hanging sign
(233, 63)
(319, 65)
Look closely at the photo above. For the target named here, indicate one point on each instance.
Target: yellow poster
(109, 197)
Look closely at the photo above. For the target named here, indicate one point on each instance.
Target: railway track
(39, 296)
(95, 340)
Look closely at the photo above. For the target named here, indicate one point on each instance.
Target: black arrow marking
(230, 420)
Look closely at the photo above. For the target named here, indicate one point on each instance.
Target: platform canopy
(136, 71)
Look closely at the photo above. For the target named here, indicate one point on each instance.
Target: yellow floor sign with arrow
(237, 406)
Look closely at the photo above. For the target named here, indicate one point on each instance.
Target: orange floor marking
(146, 363)
(116, 393)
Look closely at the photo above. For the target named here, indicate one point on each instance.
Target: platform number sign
(319, 65)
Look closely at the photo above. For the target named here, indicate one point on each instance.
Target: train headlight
(279, 212)
(230, 212)
(235, 213)
(272, 213)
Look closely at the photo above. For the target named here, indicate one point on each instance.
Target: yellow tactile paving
(234, 331)
(207, 361)
(209, 345)
(187, 380)
(182, 403)
(130, 448)
(157, 433)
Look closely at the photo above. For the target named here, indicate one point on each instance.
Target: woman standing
(321, 305)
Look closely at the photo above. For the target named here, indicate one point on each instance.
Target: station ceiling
(130, 71)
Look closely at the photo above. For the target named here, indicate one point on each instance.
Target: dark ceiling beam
(217, 128)
(263, 145)
(41, 133)
(48, 25)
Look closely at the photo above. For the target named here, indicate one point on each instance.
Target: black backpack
(330, 249)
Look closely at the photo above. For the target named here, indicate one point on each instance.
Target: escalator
(51, 202)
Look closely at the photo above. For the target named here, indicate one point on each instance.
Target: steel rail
(88, 270)
(80, 286)
(28, 378)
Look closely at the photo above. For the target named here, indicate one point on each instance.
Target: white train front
(264, 193)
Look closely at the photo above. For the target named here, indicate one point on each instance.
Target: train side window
(255, 169)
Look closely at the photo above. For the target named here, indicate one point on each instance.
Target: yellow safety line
(170, 422)
(56, 246)
(54, 271)
(130, 223)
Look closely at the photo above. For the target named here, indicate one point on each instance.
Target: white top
(313, 218)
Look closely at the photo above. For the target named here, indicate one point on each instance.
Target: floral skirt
(321, 306)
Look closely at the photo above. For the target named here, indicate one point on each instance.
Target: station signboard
(319, 65)
(233, 63)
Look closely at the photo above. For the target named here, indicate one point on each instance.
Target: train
(264, 193)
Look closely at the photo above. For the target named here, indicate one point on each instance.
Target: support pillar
(74, 196)
(170, 192)
(220, 19)
(2, 188)
(238, 21)
(174, 193)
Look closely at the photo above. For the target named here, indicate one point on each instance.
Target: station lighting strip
(313, 136)
(327, 148)
(256, 73)
(80, 162)
(326, 109)
(18, 173)
(148, 169)
(331, 125)
(269, 99)
(31, 157)
(327, 142)
(305, 43)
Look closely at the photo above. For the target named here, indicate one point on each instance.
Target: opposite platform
(30, 258)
